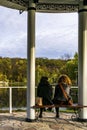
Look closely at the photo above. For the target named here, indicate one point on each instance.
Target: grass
(67, 111)
(21, 110)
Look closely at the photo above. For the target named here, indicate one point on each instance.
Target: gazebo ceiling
(43, 5)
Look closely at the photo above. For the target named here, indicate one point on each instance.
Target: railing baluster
(10, 99)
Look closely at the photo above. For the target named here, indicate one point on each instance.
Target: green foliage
(3, 77)
(48, 67)
(71, 68)
(15, 69)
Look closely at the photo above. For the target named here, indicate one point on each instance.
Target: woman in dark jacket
(44, 90)
(59, 97)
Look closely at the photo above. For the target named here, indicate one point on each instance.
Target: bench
(76, 107)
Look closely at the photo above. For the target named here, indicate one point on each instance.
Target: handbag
(38, 101)
(68, 99)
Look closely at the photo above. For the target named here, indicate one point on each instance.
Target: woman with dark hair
(44, 90)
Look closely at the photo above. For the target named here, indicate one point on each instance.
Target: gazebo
(53, 6)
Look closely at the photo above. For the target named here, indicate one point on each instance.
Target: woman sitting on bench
(62, 93)
(44, 90)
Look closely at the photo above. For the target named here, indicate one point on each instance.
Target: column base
(30, 120)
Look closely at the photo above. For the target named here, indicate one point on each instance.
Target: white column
(31, 62)
(82, 76)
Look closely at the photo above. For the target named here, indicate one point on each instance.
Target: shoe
(57, 116)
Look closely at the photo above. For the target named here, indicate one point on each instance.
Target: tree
(70, 68)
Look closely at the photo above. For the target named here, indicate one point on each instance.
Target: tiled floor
(16, 121)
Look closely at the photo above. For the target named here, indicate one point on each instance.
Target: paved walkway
(16, 121)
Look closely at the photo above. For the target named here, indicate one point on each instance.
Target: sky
(56, 34)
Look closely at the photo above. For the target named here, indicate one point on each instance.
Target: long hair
(44, 80)
(64, 79)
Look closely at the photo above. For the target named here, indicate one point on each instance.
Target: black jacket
(44, 90)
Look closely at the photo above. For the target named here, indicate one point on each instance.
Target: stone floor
(16, 121)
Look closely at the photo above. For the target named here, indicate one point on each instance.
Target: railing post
(10, 99)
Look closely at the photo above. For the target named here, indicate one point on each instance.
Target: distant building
(3, 84)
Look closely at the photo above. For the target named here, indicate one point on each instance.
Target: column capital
(32, 5)
(83, 6)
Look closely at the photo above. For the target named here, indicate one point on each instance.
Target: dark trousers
(57, 111)
(45, 102)
(57, 102)
(41, 110)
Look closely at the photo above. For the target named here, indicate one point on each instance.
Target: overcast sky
(56, 34)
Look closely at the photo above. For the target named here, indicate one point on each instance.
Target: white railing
(10, 94)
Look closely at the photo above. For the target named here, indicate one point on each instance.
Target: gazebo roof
(43, 5)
